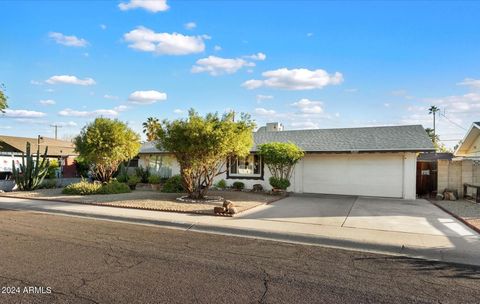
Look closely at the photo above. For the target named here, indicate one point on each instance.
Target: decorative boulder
(232, 210)
(217, 210)
(227, 204)
(257, 188)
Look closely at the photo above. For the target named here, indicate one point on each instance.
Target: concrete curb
(474, 228)
(411, 252)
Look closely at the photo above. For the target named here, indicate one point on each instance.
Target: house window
(250, 166)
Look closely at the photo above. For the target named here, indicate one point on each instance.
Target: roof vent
(274, 127)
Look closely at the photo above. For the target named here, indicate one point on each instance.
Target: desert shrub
(114, 187)
(82, 188)
(279, 183)
(173, 185)
(52, 168)
(85, 188)
(143, 173)
(154, 179)
(221, 184)
(133, 180)
(238, 185)
(48, 184)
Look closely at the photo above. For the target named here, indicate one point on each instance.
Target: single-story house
(12, 148)
(370, 161)
(464, 167)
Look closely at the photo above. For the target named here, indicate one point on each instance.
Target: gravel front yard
(469, 211)
(152, 200)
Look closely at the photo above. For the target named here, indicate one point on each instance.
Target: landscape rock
(232, 210)
(219, 210)
(228, 204)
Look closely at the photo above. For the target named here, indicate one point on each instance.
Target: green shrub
(114, 187)
(86, 188)
(52, 168)
(143, 173)
(221, 184)
(238, 185)
(173, 185)
(154, 179)
(48, 184)
(132, 181)
(82, 188)
(279, 183)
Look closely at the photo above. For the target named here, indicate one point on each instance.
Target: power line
(452, 122)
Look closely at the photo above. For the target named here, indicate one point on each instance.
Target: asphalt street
(59, 259)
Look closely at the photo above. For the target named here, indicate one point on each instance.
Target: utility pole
(56, 127)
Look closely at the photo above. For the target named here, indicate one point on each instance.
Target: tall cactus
(30, 175)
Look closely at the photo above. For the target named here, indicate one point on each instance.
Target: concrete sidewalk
(344, 226)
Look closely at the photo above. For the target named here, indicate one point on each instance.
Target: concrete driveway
(383, 214)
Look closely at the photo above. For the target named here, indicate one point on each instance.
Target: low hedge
(85, 188)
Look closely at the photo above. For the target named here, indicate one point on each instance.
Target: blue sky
(312, 64)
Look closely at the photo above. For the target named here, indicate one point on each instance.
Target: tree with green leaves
(3, 99)
(151, 127)
(280, 158)
(105, 144)
(439, 147)
(202, 146)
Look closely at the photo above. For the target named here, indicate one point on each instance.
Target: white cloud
(258, 56)
(178, 111)
(264, 112)
(153, 6)
(309, 34)
(147, 97)
(108, 96)
(261, 97)
(217, 66)
(47, 102)
(457, 103)
(305, 125)
(217, 48)
(69, 79)
(146, 40)
(121, 108)
(307, 106)
(473, 83)
(387, 105)
(68, 40)
(190, 25)
(23, 113)
(103, 26)
(66, 124)
(75, 113)
(295, 79)
(35, 82)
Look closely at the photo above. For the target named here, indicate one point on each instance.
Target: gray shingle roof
(391, 138)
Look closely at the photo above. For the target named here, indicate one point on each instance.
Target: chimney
(274, 127)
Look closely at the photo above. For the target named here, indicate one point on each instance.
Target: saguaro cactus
(31, 171)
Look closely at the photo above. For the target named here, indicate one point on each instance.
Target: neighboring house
(464, 168)
(12, 148)
(372, 161)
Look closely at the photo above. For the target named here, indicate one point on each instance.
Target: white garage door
(354, 174)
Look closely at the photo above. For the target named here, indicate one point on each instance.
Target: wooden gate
(426, 178)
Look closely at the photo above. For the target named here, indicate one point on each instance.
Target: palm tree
(3, 99)
(150, 128)
(433, 110)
